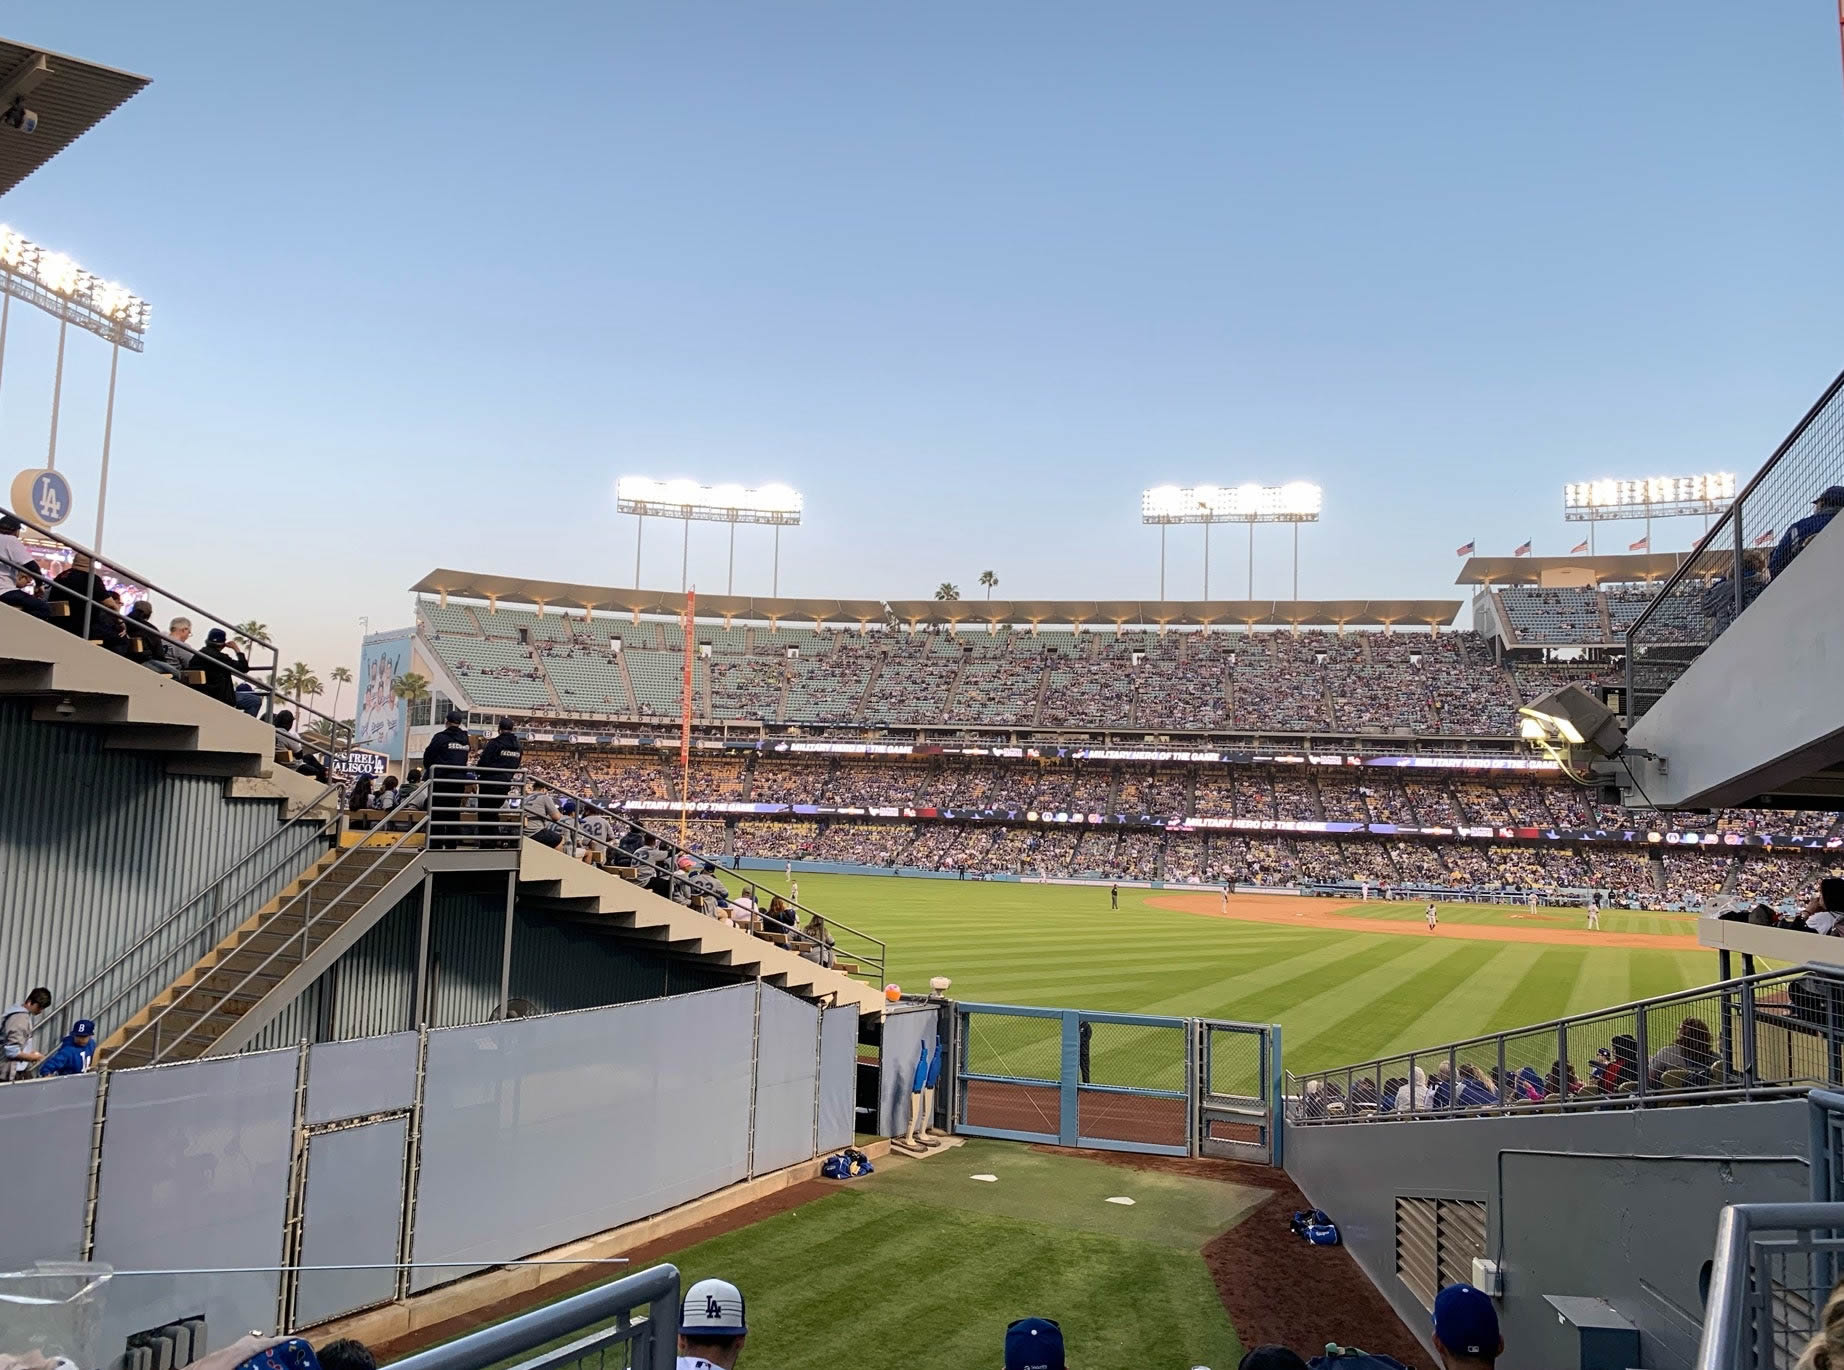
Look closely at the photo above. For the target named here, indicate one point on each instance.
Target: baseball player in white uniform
(1433, 922)
(711, 1326)
(1594, 915)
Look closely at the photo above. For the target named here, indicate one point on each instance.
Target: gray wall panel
(353, 1079)
(1641, 1217)
(838, 1090)
(904, 1032)
(787, 1077)
(352, 1216)
(45, 1135)
(96, 847)
(542, 1130)
(195, 1162)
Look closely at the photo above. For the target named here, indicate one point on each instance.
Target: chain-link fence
(1764, 1035)
(1754, 540)
(1133, 1081)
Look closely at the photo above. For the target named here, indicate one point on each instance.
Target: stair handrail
(340, 737)
(290, 829)
(880, 959)
(423, 825)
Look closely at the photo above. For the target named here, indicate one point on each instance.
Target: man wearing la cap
(711, 1326)
(1794, 540)
(1034, 1344)
(1466, 1329)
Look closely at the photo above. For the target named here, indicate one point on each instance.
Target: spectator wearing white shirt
(1415, 1096)
(13, 552)
(1825, 910)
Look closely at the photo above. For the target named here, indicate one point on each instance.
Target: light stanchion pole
(108, 431)
(730, 584)
(774, 584)
(1251, 559)
(1162, 528)
(640, 529)
(1296, 562)
(6, 310)
(1206, 561)
(685, 560)
(57, 394)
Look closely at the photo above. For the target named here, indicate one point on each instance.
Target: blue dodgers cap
(1465, 1321)
(1831, 498)
(1034, 1344)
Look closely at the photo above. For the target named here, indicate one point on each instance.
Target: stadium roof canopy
(69, 96)
(1259, 612)
(1567, 571)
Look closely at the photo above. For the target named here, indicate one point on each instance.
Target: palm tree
(340, 676)
(412, 689)
(250, 631)
(946, 590)
(990, 581)
(288, 679)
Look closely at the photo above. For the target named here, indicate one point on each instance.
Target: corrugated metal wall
(555, 966)
(98, 846)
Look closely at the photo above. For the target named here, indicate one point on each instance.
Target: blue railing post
(1277, 1097)
(1069, 1117)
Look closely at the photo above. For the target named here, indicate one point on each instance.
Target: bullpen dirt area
(1298, 911)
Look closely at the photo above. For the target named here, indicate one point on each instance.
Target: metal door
(1238, 1090)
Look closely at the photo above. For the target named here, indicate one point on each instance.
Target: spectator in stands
(779, 915)
(74, 1053)
(1625, 1062)
(1691, 1053)
(417, 793)
(143, 642)
(1561, 1080)
(13, 552)
(217, 660)
(1415, 1095)
(78, 586)
(541, 805)
(1466, 1333)
(106, 624)
(24, 594)
(345, 1354)
(1797, 538)
(1475, 1090)
(174, 658)
(712, 1326)
(16, 1034)
(1824, 912)
(502, 755)
(818, 947)
(360, 798)
(1034, 1344)
(387, 795)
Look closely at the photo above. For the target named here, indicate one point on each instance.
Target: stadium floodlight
(1655, 497)
(688, 501)
(1571, 725)
(1296, 502)
(51, 281)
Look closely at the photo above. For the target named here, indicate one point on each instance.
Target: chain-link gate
(1117, 1081)
(1238, 1100)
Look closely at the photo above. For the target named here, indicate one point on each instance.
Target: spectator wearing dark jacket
(24, 593)
(217, 661)
(1795, 539)
(77, 587)
(74, 1054)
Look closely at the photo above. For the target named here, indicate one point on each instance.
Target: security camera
(65, 708)
(17, 116)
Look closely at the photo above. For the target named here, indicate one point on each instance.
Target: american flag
(1578, 549)
(1465, 551)
(1523, 551)
(1643, 545)
(1762, 539)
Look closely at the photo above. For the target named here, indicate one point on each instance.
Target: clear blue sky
(428, 277)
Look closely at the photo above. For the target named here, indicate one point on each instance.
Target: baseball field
(1347, 981)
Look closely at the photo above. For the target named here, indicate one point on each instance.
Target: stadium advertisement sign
(382, 717)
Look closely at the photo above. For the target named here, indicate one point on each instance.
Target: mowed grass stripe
(1277, 998)
(1472, 1005)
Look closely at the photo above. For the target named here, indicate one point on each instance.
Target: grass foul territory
(1347, 980)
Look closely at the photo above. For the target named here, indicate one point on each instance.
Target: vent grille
(1436, 1242)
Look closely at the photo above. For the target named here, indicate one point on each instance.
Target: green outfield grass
(1341, 996)
(921, 1266)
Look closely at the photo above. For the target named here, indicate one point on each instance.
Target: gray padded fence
(359, 1078)
(352, 1212)
(195, 1174)
(787, 1074)
(838, 1091)
(905, 1030)
(541, 1130)
(480, 1145)
(41, 1208)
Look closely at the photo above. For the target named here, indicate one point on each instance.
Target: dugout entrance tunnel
(1109, 1081)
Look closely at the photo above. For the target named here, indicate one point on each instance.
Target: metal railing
(1827, 1146)
(1738, 557)
(454, 817)
(103, 994)
(1774, 1267)
(623, 1338)
(334, 738)
(869, 954)
(1773, 1035)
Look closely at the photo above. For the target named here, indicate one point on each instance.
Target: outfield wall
(463, 1147)
(1620, 1206)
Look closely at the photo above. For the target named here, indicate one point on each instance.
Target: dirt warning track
(1300, 911)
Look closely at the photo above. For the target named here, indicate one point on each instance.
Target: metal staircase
(219, 1003)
